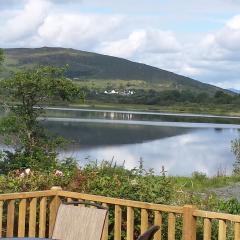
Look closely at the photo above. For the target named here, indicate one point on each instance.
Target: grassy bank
(224, 109)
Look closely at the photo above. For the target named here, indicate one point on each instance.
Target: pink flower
(59, 173)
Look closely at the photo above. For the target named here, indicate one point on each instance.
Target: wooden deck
(33, 214)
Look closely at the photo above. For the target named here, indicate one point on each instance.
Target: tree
(25, 95)
(1, 54)
(236, 151)
(1, 57)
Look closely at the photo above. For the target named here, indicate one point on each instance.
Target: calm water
(180, 143)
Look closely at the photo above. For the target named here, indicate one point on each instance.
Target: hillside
(101, 70)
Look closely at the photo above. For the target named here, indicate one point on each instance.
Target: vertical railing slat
(130, 223)
(207, 232)
(53, 208)
(105, 229)
(158, 222)
(222, 230)
(1, 217)
(42, 217)
(32, 218)
(22, 217)
(10, 218)
(117, 222)
(171, 226)
(236, 231)
(144, 220)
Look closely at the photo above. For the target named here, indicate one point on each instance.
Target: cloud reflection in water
(205, 150)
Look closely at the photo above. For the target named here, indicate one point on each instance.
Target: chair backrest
(79, 223)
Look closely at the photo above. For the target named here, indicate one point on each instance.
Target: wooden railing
(33, 214)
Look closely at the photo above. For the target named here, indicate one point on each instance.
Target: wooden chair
(149, 234)
(79, 223)
(84, 223)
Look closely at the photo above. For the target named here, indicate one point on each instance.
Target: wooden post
(189, 223)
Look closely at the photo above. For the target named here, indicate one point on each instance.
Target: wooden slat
(207, 229)
(10, 218)
(130, 223)
(144, 220)
(105, 229)
(222, 230)
(158, 222)
(22, 217)
(42, 217)
(122, 202)
(1, 217)
(117, 223)
(53, 208)
(32, 218)
(236, 231)
(171, 226)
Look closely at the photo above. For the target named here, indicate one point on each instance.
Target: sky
(198, 39)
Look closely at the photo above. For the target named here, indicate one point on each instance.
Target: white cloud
(24, 22)
(211, 57)
(142, 42)
(234, 23)
(80, 31)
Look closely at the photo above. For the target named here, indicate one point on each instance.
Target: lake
(182, 143)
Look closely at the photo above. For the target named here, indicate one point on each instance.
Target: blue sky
(199, 39)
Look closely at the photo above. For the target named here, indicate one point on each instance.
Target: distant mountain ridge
(234, 90)
(87, 65)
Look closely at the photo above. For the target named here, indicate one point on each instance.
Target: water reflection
(139, 116)
(115, 115)
(91, 135)
(204, 150)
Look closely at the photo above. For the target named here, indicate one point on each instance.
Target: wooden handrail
(122, 202)
(217, 215)
(29, 209)
(12, 196)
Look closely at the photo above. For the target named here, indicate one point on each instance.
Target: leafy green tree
(236, 151)
(25, 95)
(1, 57)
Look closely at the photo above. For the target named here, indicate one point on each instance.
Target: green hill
(100, 70)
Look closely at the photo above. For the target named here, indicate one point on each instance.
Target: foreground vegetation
(110, 180)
